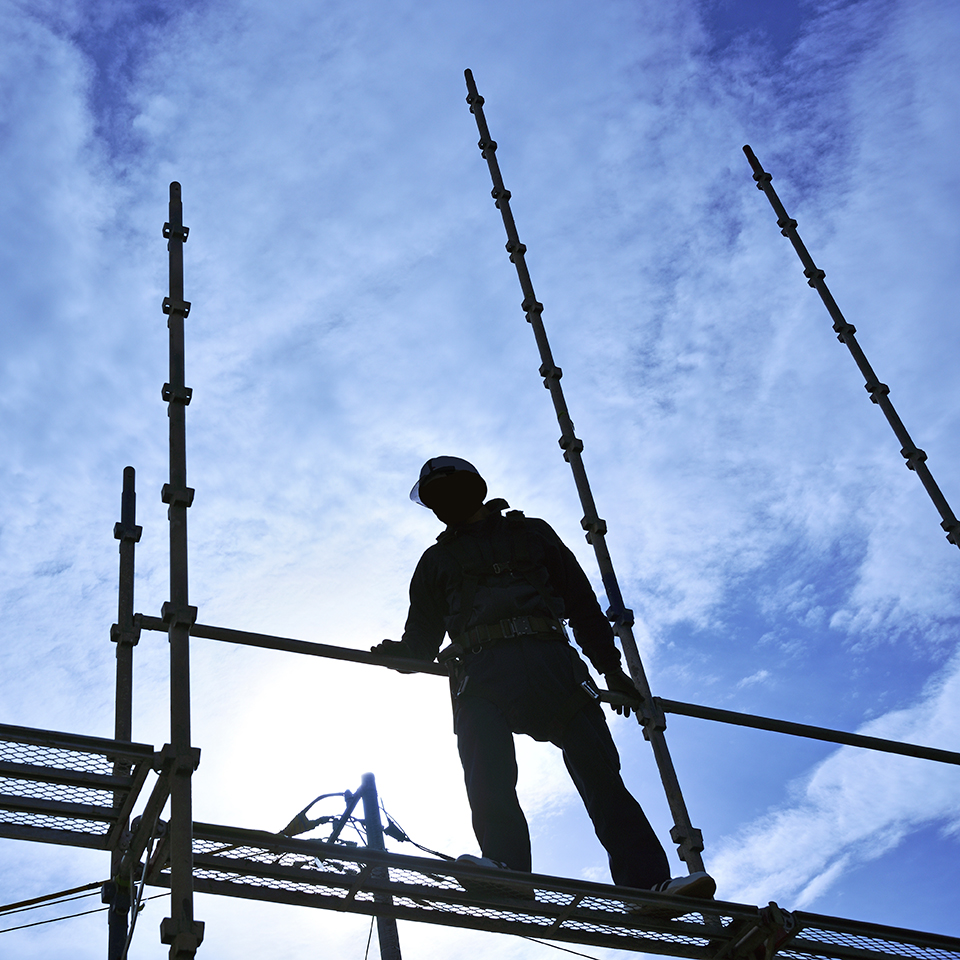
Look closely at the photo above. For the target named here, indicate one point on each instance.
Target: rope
(544, 943)
(366, 953)
(137, 906)
(48, 903)
(70, 916)
(27, 904)
(406, 839)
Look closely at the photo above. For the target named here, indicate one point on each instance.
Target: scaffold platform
(68, 789)
(75, 790)
(268, 867)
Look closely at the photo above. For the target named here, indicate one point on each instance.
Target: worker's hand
(619, 682)
(393, 648)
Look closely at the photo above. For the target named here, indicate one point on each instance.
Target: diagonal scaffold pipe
(846, 334)
(687, 837)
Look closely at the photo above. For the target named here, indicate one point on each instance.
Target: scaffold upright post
(387, 932)
(688, 838)
(916, 459)
(180, 930)
(126, 635)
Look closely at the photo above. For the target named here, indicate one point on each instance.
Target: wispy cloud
(850, 809)
(354, 312)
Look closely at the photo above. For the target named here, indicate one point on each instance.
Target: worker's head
(452, 488)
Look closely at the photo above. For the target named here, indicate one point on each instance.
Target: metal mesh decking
(261, 866)
(62, 788)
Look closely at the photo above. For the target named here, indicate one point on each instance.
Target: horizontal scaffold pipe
(808, 731)
(227, 635)
(297, 646)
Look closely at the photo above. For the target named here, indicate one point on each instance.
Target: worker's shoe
(700, 885)
(494, 885)
(696, 886)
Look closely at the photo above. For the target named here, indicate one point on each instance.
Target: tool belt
(474, 639)
(511, 627)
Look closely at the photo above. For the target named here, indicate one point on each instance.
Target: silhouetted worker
(501, 587)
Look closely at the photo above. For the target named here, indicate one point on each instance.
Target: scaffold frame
(74, 790)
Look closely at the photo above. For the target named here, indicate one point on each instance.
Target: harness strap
(510, 627)
(522, 562)
(518, 561)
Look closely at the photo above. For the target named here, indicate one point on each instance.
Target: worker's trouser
(485, 739)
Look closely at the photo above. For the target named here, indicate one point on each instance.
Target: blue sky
(354, 312)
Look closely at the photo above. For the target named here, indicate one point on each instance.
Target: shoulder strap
(469, 582)
(536, 574)
(519, 561)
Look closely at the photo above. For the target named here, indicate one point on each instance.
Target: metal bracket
(177, 498)
(570, 445)
(844, 330)
(620, 618)
(177, 617)
(168, 762)
(185, 764)
(595, 527)
(687, 844)
(176, 394)
(176, 306)
(132, 532)
(184, 936)
(876, 391)
(528, 305)
(913, 457)
(549, 373)
(774, 927)
(514, 247)
(652, 718)
(117, 635)
(179, 232)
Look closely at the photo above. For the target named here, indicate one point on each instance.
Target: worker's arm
(425, 625)
(590, 627)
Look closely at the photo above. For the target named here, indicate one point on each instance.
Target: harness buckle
(515, 627)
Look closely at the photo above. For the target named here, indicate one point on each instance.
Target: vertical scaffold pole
(387, 932)
(126, 635)
(846, 334)
(688, 838)
(179, 930)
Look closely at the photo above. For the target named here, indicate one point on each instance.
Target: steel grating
(68, 789)
(822, 936)
(260, 866)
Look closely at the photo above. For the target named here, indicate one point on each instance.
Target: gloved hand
(619, 682)
(393, 648)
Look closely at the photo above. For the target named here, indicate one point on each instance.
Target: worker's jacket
(503, 567)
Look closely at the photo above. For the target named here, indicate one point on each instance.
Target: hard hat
(437, 467)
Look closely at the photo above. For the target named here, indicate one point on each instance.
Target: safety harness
(514, 557)
(519, 562)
